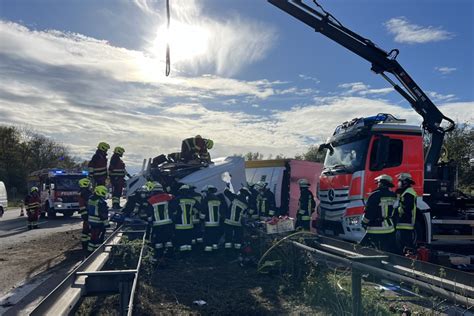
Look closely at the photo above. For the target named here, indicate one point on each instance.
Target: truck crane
(363, 148)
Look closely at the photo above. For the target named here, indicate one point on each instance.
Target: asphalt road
(13, 226)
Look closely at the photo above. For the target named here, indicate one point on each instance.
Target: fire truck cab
(59, 190)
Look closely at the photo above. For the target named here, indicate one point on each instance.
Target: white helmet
(208, 187)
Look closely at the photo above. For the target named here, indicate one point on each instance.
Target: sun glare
(186, 41)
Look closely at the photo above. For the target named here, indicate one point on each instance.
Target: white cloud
(305, 77)
(362, 89)
(441, 97)
(445, 70)
(405, 32)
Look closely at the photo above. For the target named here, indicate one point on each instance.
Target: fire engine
(59, 190)
(363, 148)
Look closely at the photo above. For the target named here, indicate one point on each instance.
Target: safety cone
(22, 211)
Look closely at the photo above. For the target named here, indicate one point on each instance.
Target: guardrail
(88, 279)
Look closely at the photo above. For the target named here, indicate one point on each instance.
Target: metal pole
(356, 292)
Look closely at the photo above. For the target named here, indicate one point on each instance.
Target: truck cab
(359, 151)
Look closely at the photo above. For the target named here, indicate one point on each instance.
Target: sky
(243, 73)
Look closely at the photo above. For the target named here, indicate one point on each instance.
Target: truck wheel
(68, 213)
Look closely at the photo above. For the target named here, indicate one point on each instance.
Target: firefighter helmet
(101, 191)
(209, 188)
(157, 187)
(260, 185)
(119, 150)
(184, 187)
(405, 177)
(34, 189)
(103, 146)
(303, 183)
(209, 143)
(149, 185)
(384, 179)
(84, 183)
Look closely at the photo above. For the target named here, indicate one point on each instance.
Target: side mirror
(381, 157)
(326, 146)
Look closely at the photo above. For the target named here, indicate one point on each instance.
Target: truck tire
(68, 213)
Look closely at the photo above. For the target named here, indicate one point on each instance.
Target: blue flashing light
(85, 172)
(58, 171)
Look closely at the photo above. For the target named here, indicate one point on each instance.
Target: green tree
(253, 156)
(313, 154)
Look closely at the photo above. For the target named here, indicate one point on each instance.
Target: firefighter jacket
(379, 211)
(183, 208)
(212, 209)
(306, 205)
(252, 203)
(194, 148)
(84, 195)
(117, 170)
(266, 203)
(33, 202)
(198, 198)
(137, 206)
(98, 165)
(97, 210)
(159, 209)
(237, 209)
(406, 214)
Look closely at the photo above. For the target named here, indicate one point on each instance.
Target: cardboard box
(282, 226)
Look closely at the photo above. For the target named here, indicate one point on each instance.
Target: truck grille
(333, 203)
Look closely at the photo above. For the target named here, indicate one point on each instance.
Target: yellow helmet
(209, 143)
(34, 189)
(101, 191)
(84, 183)
(103, 146)
(119, 150)
(149, 185)
(404, 176)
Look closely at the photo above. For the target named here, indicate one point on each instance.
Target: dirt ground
(218, 280)
(27, 258)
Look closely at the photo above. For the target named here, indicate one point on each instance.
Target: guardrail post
(124, 289)
(356, 292)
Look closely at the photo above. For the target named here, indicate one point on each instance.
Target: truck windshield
(65, 183)
(347, 157)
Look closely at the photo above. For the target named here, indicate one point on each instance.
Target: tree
(313, 154)
(459, 144)
(253, 156)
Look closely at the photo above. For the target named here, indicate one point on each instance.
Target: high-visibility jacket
(159, 209)
(97, 210)
(406, 215)
(198, 198)
(32, 202)
(379, 211)
(183, 208)
(84, 195)
(98, 165)
(116, 168)
(266, 205)
(137, 205)
(194, 148)
(306, 205)
(237, 209)
(212, 209)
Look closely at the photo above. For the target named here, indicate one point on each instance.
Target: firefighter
(306, 205)
(378, 212)
(195, 148)
(159, 216)
(84, 195)
(137, 204)
(33, 205)
(212, 209)
(182, 208)
(198, 229)
(252, 202)
(98, 164)
(238, 208)
(97, 210)
(406, 213)
(266, 205)
(117, 175)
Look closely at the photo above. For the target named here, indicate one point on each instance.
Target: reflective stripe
(158, 246)
(237, 246)
(163, 222)
(405, 226)
(95, 220)
(183, 226)
(208, 248)
(228, 245)
(401, 211)
(210, 224)
(233, 223)
(169, 244)
(305, 218)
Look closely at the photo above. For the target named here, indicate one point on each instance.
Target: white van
(3, 198)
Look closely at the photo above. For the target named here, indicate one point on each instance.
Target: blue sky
(244, 73)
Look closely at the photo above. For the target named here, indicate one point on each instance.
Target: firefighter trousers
(117, 188)
(183, 239)
(33, 216)
(405, 239)
(384, 242)
(197, 234)
(302, 223)
(85, 234)
(233, 236)
(211, 238)
(161, 238)
(97, 237)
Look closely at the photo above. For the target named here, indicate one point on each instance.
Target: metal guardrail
(88, 279)
(454, 286)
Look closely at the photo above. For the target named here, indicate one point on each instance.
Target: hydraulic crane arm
(382, 64)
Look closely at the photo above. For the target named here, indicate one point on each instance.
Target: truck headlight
(59, 199)
(353, 220)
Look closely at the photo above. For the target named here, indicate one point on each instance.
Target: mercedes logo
(331, 195)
